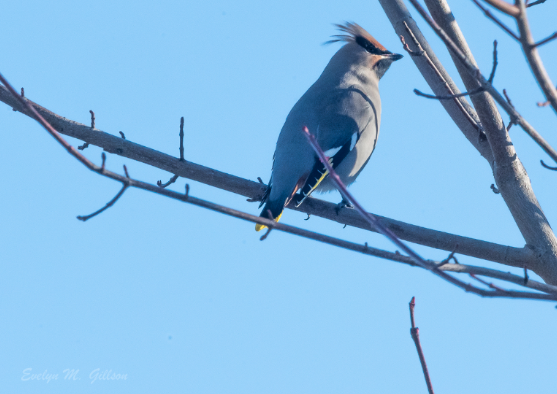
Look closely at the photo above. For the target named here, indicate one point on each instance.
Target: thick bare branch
(516, 257)
(511, 177)
(436, 76)
(128, 182)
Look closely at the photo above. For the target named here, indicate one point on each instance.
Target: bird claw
(343, 204)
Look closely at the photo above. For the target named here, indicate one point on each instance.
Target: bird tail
(275, 208)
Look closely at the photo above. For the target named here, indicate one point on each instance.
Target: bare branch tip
(535, 3)
(170, 181)
(92, 119)
(495, 189)
(182, 139)
(103, 157)
(122, 135)
(84, 146)
(546, 40)
(548, 167)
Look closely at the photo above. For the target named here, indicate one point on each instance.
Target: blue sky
(180, 299)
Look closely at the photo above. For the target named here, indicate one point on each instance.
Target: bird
(342, 109)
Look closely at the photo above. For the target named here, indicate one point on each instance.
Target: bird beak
(395, 56)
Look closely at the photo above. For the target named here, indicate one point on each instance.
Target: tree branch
(436, 76)
(415, 334)
(533, 57)
(504, 7)
(128, 182)
(518, 12)
(516, 257)
(511, 177)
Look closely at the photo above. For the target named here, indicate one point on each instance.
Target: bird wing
(342, 121)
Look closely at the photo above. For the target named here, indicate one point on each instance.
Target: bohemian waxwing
(343, 110)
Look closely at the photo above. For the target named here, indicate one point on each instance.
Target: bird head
(365, 50)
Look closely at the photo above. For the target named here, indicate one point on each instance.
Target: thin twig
(92, 119)
(170, 181)
(545, 41)
(476, 73)
(530, 50)
(494, 67)
(415, 334)
(122, 135)
(84, 146)
(374, 222)
(423, 53)
(108, 204)
(103, 156)
(536, 3)
(450, 257)
(497, 21)
(548, 167)
(182, 138)
(22, 92)
(504, 7)
(449, 97)
(507, 98)
(494, 188)
(526, 278)
(491, 285)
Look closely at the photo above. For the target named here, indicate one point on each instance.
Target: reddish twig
(421, 52)
(491, 285)
(415, 334)
(374, 222)
(504, 7)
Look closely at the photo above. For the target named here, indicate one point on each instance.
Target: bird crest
(357, 34)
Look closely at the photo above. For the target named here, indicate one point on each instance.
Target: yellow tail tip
(259, 227)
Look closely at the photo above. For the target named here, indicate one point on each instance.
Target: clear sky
(180, 299)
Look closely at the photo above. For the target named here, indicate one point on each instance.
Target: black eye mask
(368, 46)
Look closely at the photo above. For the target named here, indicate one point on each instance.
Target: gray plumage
(343, 110)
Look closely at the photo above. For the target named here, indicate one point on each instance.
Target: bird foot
(343, 204)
